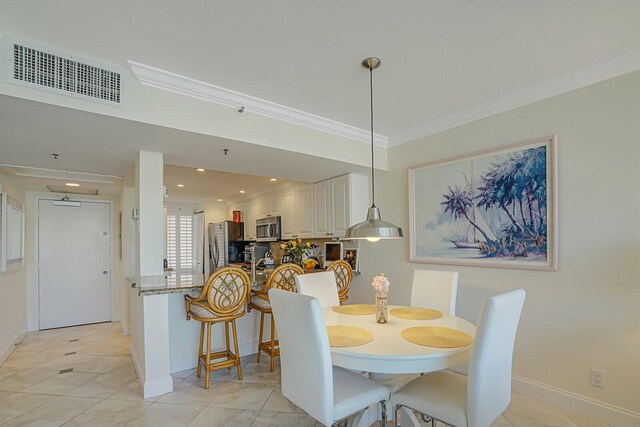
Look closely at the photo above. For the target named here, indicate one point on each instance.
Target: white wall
(586, 314)
(12, 288)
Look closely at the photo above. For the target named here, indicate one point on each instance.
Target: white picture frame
(12, 223)
(447, 195)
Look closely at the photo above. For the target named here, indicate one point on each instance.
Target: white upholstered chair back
(305, 358)
(319, 285)
(435, 289)
(489, 389)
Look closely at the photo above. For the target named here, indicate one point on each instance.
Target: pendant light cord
(373, 177)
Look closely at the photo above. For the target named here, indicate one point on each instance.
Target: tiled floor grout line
(523, 411)
(68, 421)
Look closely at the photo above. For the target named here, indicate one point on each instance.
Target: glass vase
(382, 309)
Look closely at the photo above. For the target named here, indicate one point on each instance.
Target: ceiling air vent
(47, 68)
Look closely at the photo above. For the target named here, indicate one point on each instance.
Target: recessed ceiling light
(200, 170)
(242, 191)
(180, 185)
(273, 179)
(219, 200)
(72, 184)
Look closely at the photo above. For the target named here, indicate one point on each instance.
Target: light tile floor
(83, 376)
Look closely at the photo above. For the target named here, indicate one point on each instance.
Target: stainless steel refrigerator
(226, 244)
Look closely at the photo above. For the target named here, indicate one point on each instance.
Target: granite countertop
(175, 283)
(187, 282)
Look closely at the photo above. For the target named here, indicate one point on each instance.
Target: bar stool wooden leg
(261, 333)
(207, 367)
(226, 333)
(235, 344)
(199, 370)
(273, 346)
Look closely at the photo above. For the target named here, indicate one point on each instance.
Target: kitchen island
(161, 336)
(159, 327)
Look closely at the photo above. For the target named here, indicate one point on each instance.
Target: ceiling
(214, 185)
(99, 144)
(439, 58)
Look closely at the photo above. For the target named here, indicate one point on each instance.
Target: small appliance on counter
(332, 252)
(268, 259)
(257, 250)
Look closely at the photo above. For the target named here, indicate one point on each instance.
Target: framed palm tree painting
(496, 208)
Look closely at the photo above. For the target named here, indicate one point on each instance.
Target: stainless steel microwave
(268, 229)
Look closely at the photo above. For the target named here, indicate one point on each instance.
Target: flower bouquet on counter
(298, 251)
(381, 285)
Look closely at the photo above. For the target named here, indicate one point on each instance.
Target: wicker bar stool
(344, 275)
(221, 300)
(283, 277)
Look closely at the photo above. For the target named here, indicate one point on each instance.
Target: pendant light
(373, 228)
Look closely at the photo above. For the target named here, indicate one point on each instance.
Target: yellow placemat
(355, 309)
(415, 313)
(348, 336)
(436, 336)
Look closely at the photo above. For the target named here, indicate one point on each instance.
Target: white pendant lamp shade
(373, 228)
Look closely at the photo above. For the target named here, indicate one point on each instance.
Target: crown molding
(165, 80)
(571, 81)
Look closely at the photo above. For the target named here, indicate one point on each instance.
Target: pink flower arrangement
(380, 284)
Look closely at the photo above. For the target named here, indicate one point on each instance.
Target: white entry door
(74, 251)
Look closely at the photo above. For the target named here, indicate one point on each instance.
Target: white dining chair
(327, 393)
(435, 289)
(430, 289)
(319, 285)
(476, 401)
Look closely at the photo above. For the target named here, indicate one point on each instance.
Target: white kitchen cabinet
(339, 203)
(251, 213)
(297, 213)
(288, 216)
(304, 211)
(270, 206)
(322, 209)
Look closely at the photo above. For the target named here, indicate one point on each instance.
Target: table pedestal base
(372, 414)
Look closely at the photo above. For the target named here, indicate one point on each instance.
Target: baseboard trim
(189, 362)
(592, 408)
(157, 387)
(136, 364)
(150, 388)
(5, 354)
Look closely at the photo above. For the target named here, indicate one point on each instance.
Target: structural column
(150, 314)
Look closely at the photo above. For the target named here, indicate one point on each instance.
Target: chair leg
(261, 333)
(199, 369)
(383, 417)
(273, 345)
(226, 335)
(207, 367)
(235, 345)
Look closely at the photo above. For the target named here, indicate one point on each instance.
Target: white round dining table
(388, 352)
